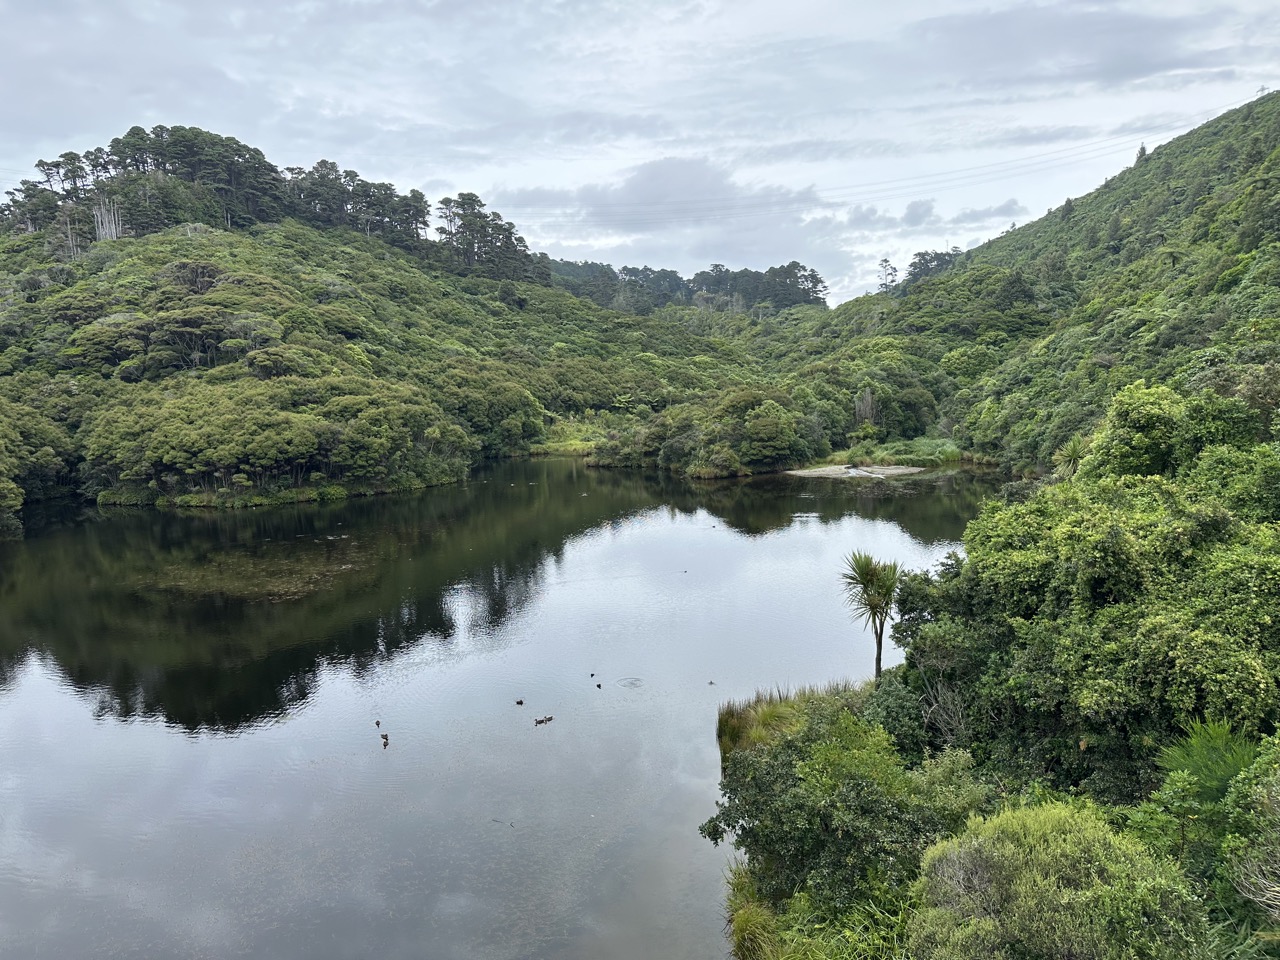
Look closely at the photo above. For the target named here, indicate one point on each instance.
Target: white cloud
(677, 131)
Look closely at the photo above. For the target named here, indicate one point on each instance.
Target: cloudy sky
(674, 133)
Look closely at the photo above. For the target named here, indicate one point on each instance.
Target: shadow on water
(214, 621)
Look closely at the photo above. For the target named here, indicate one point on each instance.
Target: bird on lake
(385, 739)
(519, 703)
(377, 723)
(598, 687)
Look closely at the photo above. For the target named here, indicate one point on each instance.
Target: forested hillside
(198, 364)
(181, 320)
(1169, 271)
(1079, 756)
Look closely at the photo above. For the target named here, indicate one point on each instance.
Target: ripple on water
(631, 683)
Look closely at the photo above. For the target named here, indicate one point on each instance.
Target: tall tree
(871, 589)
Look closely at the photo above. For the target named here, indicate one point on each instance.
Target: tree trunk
(879, 648)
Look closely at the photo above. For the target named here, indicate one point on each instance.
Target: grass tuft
(759, 719)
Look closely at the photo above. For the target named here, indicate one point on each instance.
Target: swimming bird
(377, 723)
(598, 687)
(519, 703)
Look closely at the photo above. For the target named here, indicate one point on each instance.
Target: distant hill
(1168, 272)
(182, 321)
(202, 365)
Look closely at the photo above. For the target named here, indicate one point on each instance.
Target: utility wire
(732, 208)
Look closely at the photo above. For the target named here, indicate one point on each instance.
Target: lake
(192, 709)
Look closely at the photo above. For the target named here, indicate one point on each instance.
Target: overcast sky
(673, 133)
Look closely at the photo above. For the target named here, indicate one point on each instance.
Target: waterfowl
(519, 703)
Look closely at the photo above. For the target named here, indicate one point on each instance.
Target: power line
(737, 207)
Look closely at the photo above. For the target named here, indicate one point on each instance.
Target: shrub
(831, 809)
(1047, 882)
(1251, 853)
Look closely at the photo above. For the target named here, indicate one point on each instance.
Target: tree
(829, 809)
(871, 589)
(888, 275)
(1066, 459)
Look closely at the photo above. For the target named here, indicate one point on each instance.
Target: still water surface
(190, 761)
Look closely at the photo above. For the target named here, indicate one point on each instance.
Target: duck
(520, 703)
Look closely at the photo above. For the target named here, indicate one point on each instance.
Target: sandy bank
(855, 471)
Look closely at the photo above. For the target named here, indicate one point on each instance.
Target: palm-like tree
(1066, 459)
(871, 589)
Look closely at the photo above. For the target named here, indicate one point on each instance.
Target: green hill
(199, 364)
(182, 321)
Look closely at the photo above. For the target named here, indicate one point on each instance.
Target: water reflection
(217, 620)
(192, 764)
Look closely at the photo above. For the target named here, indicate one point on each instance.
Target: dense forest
(180, 321)
(1079, 756)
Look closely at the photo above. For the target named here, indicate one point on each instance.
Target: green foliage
(296, 360)
(1111, 635)
(871, 589)
(760, 719)
(1212, 753)
(1094, 622)
(1051, 881)
(831, 810)
(1251, 853)
(641, 290)
(1152, 431)
(1186, 818)
(114, 266)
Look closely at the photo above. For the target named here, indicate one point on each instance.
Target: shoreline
(842, 472)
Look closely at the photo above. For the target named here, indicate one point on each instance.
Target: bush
(1048, 882)
(831, 810)
(1251, 854)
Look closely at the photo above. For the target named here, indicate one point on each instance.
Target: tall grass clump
(768, 714)
(751, 924)
(1211, 752)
